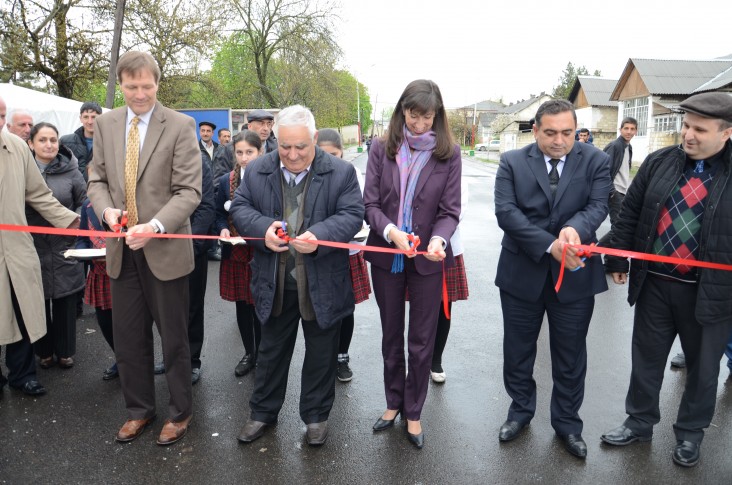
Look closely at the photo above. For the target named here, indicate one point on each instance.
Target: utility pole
(114, 55)
(358, 113)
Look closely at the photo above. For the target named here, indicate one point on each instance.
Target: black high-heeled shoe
(416, 439)
(381, 424)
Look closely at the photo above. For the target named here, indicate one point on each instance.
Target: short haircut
(14, 112)
(328, 136)
(90, 106)
(421, 96)
(221, 130)
(248, 136)
(296, 115)
(724, 124)
(554, 107)
(132, 62)
(584, 130)
(37, 127)
(628, 120)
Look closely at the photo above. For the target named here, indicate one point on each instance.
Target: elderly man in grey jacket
(311, 196)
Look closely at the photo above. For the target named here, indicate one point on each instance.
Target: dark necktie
(292, 180)
(554, 175)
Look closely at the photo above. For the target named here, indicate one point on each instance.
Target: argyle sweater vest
(678, 233)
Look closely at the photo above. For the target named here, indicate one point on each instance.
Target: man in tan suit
(147, 169)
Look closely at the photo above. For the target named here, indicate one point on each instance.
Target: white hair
(13, 112)
(296, 115)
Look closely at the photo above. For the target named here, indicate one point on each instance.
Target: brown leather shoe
(173, 431)
(132, 429)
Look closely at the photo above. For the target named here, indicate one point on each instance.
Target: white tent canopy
(61, 112)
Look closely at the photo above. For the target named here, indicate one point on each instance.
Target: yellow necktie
(132, 157)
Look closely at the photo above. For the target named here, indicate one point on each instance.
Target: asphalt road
(67, 436)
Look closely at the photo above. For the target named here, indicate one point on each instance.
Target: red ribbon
(57, 231)
(586, 251)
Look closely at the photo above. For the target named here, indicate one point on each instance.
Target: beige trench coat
(21, 183)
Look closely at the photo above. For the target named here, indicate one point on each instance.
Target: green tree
(292, 35)
(40, 43)
(567, 79)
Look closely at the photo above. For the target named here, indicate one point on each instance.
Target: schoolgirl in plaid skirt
(98, 291)
(235, 274)
(330, 142)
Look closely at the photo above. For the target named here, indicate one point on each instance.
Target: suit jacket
(168, 185)
(436, 205)
(531, 220)
(333, 211)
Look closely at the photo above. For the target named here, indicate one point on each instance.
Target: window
(668, 122)
(638, 109)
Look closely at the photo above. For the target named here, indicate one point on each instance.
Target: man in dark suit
(147, 167)
(319, 198)
(206, 144)
(551, 193)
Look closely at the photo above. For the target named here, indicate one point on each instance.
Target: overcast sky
(488, 49)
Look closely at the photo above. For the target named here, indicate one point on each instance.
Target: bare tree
(283, 30)
(39, 41)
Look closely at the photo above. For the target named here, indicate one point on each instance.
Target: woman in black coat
(62, 278)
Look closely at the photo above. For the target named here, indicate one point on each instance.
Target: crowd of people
(142, 170)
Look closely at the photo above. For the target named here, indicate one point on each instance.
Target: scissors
(282, 231)
(121, 226)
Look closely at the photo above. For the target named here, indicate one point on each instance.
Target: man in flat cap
(261, 122)
(677, 206)
(206, 143)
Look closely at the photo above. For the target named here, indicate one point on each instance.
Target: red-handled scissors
(121, 226)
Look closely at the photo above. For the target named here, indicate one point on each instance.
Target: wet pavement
(67, 436)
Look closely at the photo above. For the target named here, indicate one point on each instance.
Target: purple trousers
(407, 390)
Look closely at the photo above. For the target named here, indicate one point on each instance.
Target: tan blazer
(168, 185)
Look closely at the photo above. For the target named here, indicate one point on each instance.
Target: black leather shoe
(317, 433)
(381, 424)
(252, 431)
(686, 453)
(195, 375)
(32, 388)
(510, 430)
(159, 368)
(574, 444)
(245, 365)
(622, 435)
(111, 373)
(416, 439)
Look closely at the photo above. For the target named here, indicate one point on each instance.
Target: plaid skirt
(359, 277)
(235, 280)
(98, 292)
(456, 280)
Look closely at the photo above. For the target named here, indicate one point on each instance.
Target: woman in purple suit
(412, 187)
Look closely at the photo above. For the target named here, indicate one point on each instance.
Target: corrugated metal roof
(666, 76)
(722, 80)
(516, 107)
(598, 90)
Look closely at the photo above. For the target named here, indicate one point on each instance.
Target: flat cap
(207, 123)
(259, 115)
(709, 105)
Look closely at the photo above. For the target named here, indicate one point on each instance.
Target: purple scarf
(410, 166)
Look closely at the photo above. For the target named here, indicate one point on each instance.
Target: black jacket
(203, 217)
(636, 229)
(333, 211)
(76, 143)
(61, 276)
(616, 150)
(204, 152)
